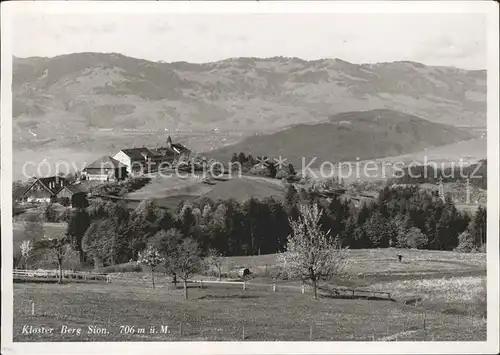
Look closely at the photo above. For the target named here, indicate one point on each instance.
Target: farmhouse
(136, 160)
(76, 194)
(43, 189)
(105, 168)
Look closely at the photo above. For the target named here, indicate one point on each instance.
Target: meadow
(449, 289)
(169, 191)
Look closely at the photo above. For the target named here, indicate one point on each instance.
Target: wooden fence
(19, 274)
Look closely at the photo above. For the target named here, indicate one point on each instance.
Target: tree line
(109, 233)
(477, 174)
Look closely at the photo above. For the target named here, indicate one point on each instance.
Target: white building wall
(124, 159)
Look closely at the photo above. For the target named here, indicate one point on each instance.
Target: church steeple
(169, 142)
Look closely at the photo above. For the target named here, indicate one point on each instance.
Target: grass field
(221, 314)
(169, 191)
(449, 287)
(50, 230)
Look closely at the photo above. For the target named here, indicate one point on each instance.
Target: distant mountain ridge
(349, 136)
(74, 93)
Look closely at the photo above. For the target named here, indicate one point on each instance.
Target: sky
(457, 40)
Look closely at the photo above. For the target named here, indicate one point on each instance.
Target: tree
(216, 259)
(242, 158)
(26, 249)
(59, 247)
(49, 212)
(185, 261)
(416, 239)
(166, 242)
(151, 257)
(477, 228)
(33, 228)
(310, 253)
(78, 223)
(466, 243)
(101, 242)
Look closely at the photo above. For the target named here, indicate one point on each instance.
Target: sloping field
(243, 188)
(169, 191)
(378, 261)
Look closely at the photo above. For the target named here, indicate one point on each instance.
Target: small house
(43, 189)
(105, 168)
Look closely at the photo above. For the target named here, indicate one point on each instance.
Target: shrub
(49, 213)
(412, 238)
(465, 242)
(65, 215)
(65, 201)
(127, 267)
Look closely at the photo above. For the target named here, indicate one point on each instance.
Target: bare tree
(216, 259)
(59, 247)
(26, 250)
(185, 261)
(151, 257)
(311, 254)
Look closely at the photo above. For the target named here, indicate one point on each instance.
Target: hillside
(78, 94)
(350, 135)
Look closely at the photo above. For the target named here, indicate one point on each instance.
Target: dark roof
(180, 147)
(46, 183)
(176, 148)
(105, 162)
(137, 153)
(76, 188)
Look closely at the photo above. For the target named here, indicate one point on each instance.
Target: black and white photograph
(250, 177)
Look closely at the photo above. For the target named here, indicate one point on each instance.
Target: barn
(75, 194)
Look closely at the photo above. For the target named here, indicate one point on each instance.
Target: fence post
(274, 287)
(243, 332)
(32, 308)
(244, 285)
(201, 283)
(180, 328)
(311, 332)
(303, 288)
(425, 318)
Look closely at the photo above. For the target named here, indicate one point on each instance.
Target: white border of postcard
(489, 8)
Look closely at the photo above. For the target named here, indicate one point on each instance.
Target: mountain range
(70, 95)
(349, 136)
